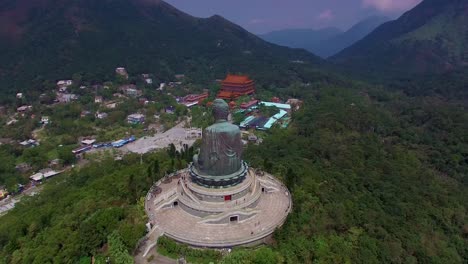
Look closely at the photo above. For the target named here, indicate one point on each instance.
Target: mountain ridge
(430, 38)
(53, 39)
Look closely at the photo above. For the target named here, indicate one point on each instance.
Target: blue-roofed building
(274, 119)
(245, 123)
(119, 143)
(258, 122)
(136, 119)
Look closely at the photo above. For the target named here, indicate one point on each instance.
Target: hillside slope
(53, 39)
(431, 38)
(337, 43)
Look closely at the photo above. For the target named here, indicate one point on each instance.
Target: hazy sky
(260, 16)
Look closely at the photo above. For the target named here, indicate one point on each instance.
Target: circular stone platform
(206, 217)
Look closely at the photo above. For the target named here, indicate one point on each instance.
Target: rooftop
(44, 174)
(274, 119)
(237, 79)
(278, 105)
(137, 116)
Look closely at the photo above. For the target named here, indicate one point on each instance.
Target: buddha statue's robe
(221, 150)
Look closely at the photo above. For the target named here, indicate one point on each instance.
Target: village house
(174, 84)
(146, 77)
(63, 85)
(88, 141)
(44, 120)
(66, 98)
(122, 72)
(111, 105)
(29, 143)
(44, 174)
(98, 99)
(24, 108)
(131, 90)
(194, 99)
(101, 115)
(19, 96)
(135, 119)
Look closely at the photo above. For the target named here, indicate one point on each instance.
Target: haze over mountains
(50, 40)
(309, 39)
(431, 38)
(324, 42)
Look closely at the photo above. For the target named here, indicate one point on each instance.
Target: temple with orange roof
(235, 86)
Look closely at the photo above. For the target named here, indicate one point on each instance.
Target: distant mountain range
(53, 39)
(308, 39)
(431, 38)
(324, 42)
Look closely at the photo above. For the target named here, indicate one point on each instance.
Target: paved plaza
(269, 204)
(177, 135)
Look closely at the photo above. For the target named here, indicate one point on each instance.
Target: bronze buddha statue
(221, 149)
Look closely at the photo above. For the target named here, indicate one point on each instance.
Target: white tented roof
(280, 106)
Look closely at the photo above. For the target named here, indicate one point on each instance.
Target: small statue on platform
(221, 150)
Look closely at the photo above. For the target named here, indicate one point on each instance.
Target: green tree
(66, 155)
(117, 250)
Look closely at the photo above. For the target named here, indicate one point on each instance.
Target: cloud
(326, 15)
(390, 5)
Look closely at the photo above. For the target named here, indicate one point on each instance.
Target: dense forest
(85, 213)
(376, 178)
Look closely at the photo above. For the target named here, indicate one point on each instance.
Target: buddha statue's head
(220, 110)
